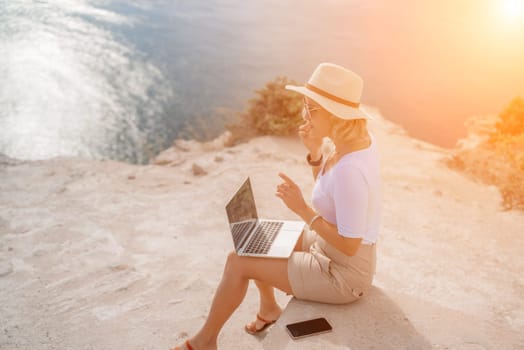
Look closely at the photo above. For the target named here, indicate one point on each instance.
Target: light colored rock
(198, 170)
(388, 320)
(96, 261)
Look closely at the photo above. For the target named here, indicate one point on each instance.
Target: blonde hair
(352, 130)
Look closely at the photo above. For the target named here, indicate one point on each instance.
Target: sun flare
(513, 9)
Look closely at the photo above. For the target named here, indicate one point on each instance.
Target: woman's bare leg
(269, 308)
(232, 290)
(268, 303)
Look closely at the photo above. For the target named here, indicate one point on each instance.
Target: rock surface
(107, 255)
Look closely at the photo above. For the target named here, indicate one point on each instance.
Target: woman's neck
(342, 148)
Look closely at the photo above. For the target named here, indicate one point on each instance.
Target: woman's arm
(329, 232)
(290, 193)
(313, 145)
(315, 168)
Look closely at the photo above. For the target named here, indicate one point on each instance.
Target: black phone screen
(309, 327)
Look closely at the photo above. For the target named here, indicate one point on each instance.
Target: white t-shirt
(348, 194)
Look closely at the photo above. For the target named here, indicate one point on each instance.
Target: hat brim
(339, 110)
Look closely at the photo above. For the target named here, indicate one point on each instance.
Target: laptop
(259, 237)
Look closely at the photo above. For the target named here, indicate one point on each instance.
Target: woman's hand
(312, 142)
(291, 195)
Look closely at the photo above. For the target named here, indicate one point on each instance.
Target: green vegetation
(273, 111)
(499, 158)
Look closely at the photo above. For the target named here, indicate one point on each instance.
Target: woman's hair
(349, 130)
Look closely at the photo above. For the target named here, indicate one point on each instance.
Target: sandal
(188, 346)
(253, 330)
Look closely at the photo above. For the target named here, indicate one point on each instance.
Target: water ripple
(71, 87)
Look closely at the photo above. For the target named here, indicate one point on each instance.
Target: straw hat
(336, 89)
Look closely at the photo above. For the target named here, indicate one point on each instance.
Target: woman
(334, 260)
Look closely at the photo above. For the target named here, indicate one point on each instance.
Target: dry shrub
(273, 111)
(499, 160)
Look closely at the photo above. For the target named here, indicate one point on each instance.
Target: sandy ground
(107, 255)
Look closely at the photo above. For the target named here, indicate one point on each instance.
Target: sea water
(123, 79)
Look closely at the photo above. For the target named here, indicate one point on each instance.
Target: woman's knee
(238, 266)
(232, 265)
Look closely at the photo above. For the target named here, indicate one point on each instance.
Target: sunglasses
(306, 111)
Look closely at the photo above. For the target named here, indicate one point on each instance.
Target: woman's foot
(186, 346)
(263, 320)
(192, 345)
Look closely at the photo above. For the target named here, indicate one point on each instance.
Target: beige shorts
(324, 274)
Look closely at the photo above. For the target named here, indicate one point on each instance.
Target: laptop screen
(242, 206)
(242, 214)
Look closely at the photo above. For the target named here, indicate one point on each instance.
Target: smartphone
(310, 327)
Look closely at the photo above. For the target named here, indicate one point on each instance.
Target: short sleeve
(351, 197)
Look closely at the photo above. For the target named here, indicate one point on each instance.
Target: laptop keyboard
(239, 231)
(263, 237)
